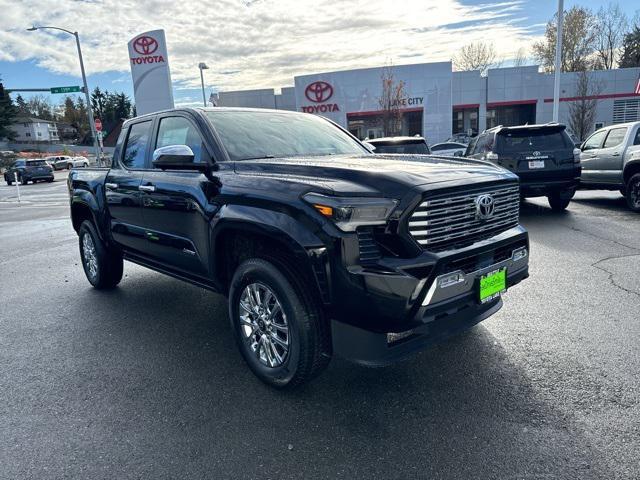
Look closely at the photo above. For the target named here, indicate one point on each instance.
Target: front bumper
(402, 306)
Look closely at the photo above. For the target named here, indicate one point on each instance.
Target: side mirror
(369, 146)
(175, 157)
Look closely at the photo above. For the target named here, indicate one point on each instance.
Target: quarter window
(180, 131)
(615, 137)
(136, 147)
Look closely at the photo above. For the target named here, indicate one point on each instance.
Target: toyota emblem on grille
(536, 153)
(485, 206)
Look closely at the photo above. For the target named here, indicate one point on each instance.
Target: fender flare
(87, 200)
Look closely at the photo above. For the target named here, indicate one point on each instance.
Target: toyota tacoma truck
(321, 247)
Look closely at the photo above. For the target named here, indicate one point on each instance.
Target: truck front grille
(449, 221)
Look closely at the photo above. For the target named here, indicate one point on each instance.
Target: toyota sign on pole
(150, 71)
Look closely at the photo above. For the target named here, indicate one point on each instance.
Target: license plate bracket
(492, 285)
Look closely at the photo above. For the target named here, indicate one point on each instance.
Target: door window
(594, 141)
(180, 131)
(136, 146)
(636, 140)
(615, 137)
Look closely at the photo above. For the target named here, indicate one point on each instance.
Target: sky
(256, 43)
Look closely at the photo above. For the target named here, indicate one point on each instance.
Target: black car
(321, 247)
(403, 145)
(543, 156)
(29, 171)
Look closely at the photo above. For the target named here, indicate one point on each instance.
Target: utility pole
(558, 64)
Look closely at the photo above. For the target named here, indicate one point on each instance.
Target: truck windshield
(527, 140)
(249, 135)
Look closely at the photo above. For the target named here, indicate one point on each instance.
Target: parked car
(28, 171)
(321, 247)
(404, 145)
(453, 149)
(462, 138)
(611, 160)
(543, 156)
(60, 162)
(79, 162)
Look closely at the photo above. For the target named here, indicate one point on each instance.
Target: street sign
(98, 125)
(65, 89)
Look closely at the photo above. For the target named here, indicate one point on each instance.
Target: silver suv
(611, 161)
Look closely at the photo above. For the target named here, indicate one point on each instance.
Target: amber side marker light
(324, 210)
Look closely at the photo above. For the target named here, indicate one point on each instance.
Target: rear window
(516, 141)
(36, 163)
(406, 148)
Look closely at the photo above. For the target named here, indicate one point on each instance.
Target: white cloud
(264, 43)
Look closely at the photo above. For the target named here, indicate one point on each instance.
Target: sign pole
(15, 177)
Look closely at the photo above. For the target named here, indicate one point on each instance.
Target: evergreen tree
(23, 107)
(630, 56)
(8, 112)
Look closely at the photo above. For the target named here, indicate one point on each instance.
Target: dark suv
(29, 170)
(543, 156)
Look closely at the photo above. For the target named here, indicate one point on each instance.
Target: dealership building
(439, 102)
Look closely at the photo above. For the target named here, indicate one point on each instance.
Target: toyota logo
(318, 92)
(145, 45)
(485, 207)
(536, 153)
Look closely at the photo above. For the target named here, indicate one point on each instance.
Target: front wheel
(632, 193)
(559, 200)
(102, 266)
(277, 323)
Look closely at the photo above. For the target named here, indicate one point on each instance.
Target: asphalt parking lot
(145, 381)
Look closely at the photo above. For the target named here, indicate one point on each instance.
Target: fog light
(519, 254)
(450, 279)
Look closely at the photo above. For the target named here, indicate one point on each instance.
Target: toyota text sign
(150, 71)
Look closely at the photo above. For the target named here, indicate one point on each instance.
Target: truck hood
(391, 175)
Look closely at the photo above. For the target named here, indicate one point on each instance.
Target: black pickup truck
(321, 247)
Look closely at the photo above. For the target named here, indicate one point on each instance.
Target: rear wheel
(103, 267)
(632, 193)
(9, 182)
(23, 181)
(559, 200)
(278, 326)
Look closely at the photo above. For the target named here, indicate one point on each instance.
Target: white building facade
(439, 102)
(35, 130)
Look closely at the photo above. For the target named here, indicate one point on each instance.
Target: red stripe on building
(593, 97)
(511, 102)
(464, 106)
(378, 112)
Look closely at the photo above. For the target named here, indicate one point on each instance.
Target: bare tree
(611, 26)
(521, 58)
(391, 100)
(476, 56)
(583, 110)
(578, 41)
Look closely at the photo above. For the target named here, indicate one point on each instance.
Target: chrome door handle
(615, 154)
(111, 186)
(147, 188)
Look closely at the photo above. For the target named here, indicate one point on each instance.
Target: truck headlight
(350, 212)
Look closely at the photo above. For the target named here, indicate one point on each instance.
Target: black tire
(23, 181)
(309, 350)
(9, 183)
(632, 193)
(108, 264)
(50, 180)
(559, 201)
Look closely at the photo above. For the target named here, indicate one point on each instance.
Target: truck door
(589, 157)
(122, 187)
(609, 158)
(176, 208)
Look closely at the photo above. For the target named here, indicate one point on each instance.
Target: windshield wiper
(260, 158)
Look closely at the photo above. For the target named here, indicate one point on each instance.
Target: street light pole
(203, 66)
(86, 89)
(558, 63)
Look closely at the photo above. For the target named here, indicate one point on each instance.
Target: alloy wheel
(89, 255)
(263, 325)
